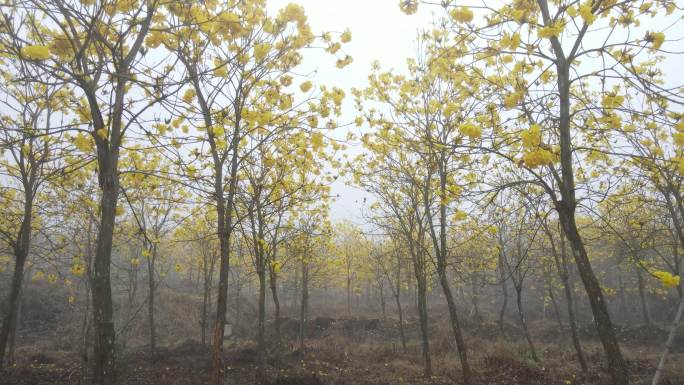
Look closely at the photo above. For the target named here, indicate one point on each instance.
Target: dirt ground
(368, 351)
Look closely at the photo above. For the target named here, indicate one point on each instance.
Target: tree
(32, 147)
(539, 57)
(236, 59)
(96, 49)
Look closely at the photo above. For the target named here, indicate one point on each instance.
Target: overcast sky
(380, 31)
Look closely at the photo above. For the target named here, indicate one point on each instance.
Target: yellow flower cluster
(538, 157)
(35, 52)
(584, 11)
(462, 14)
(470, 130)
(341, 63)
(511, 42)
(552, 30)
(261, 50)
(409, 7)
(668, 280)
(612, 101)
(513, 99)
(655, 38)
(346, 36)
(532, 137)
(586, 14)
(154, 39)
(306, 86)
(78, 269)
(189, 95)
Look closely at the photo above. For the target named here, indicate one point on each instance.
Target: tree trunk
(642, 297)
(205, 304)
(623, 299)
(555, 308)
(10, 318)
(397, 299)
(238, 291)
(13, 334)
(401, 322)
(523, 322)
(604, 326)
(349, 295)
(304, 308)
(150, 302)
(382, 303)
(276, 304)
(104, 354)
(422, 311)
(669, 342)
(456, 328)
(261, 341)
(504, 290)
(21, 250)
(475, 298)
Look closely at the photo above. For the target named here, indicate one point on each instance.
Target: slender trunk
(397, 298)
(475, 298)
(523, 322)
(205, 304)
(21, 250)
(401, 322)
(13, 333)
(276, 304)
(150, 302)
(456, 328)
(238, 291)
(623, 299)
(642, 297)
(224, 211)
(85, 341)
(349, 285)
(562, 267)
(304, 307)
(422, 311)
(382, 303)
(555, 308)
(670, 341)
(504, 290)
(10, 318)
(262, 320)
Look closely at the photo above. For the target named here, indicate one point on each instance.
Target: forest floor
(369, 351)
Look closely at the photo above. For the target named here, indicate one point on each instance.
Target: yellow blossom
(462, 14)
(666, 279)
(587, 15)
(35, 52)
(656, 39)
(552, 30)
(409, 7)
(261, 50)
(346, 36)
(537, 158)
(470, 130)
(306, 86)
(532, 137)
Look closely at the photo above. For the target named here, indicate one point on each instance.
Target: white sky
(380, 31)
